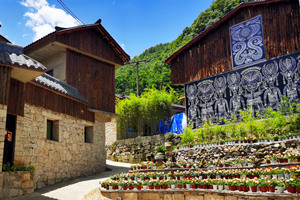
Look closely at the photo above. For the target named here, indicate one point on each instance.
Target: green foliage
(170, 137)
(161, 149)
(17, 167)
(188, 136)
(143, 113)
(161, 72)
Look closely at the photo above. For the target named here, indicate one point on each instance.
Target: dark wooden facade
(5, 77)
(16, 98)
(44, 97)
(94, 79)
(209, 53)
(87, 40)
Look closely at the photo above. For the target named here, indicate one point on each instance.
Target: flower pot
(298, 189)
(194, 186)
(291, 189)
(130, 187)
(210, 187)
(262, 188)
(268, 161)
(251, 176)
(151, 187)
(245, 188)
(279, 189)
(124, 187)
(239, 188)
(188, 186)
(232, 187)
(220, 187)
(215, 187)
(179, 186)
(271, 188)
(173, 187)
(139, 187)
(253, 188)
(164, 187)
(115, 187)
(157, 187)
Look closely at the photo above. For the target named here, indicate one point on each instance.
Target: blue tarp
(178, 123)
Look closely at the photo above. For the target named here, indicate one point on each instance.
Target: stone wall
(61, 160)
(259, 150)
(135, 150)
(3, 112)
(14, 184)
(111, 132)
(195, 195)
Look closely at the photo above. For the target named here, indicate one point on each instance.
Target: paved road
(75, 189)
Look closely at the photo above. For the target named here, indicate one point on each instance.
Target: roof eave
(217, 24)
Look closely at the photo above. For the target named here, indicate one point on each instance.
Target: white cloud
(43, 17)
(123, 46)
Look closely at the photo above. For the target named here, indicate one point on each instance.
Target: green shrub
(188, 136)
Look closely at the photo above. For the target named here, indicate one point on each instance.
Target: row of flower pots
(242, 185)
(240, 162)
(277, 172)
(247, 140)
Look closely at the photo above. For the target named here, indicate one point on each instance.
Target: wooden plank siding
(94, 79)
(88, 41)
(16, 98)
(211, 54)
(5, 77)
(42, 97)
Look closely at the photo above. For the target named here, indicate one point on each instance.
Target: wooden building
(209, 53)
(56, 95)
(219, 68)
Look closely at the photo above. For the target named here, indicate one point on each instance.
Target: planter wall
(14, 184)
(194, 195)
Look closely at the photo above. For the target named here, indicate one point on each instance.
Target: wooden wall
(5, 77)
(211, 54)
(90, 42)
(16, 98)
(40, 96)
(94, 79)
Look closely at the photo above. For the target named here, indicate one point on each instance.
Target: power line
(68, 10)
(137, 73)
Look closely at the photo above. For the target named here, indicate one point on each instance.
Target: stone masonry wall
(14, 184)
(111, 132)
(3, 112)
(61, 160)
(135, 150)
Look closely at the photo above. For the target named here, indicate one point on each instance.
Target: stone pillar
(3, 112)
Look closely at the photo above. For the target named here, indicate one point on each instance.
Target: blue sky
(135, 24)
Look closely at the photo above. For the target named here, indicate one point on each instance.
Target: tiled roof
(59, 86)
(13, 55)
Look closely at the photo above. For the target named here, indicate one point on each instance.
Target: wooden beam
(5, 75)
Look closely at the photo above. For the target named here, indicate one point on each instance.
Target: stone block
(213, 197)
(130, 196)
(178, 197)
(114, 196)
(231, 198)
(27, 184)
(13, 192)
(194, 198)
(149, 196)
(168, 197)
(17, 184)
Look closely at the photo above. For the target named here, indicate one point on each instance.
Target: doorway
(9, 141)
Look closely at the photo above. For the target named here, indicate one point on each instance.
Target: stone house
(56, 95)
(249, 58)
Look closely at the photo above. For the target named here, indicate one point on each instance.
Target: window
(88, 134)
(52, 130)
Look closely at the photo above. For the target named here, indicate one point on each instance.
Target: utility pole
(137, 73)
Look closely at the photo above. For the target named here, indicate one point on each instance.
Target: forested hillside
(156, 73)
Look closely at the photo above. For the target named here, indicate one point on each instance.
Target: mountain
(160, 72)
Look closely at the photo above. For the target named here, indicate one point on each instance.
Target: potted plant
(179, 184)
(253, 185)
(172, 183)
(138, 185)
(262, 185)
(145, 184)
(131, 185)
(291, 185)
(187, 183)
(194, 184)
(151, 184)
(156, 185)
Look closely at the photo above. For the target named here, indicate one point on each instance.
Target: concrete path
(76, 189)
